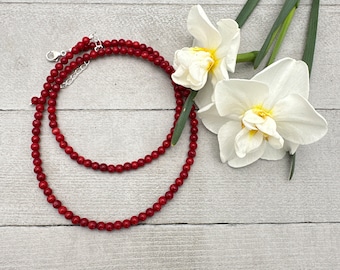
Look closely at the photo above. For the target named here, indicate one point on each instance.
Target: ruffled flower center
(208, 55)
(257, 126)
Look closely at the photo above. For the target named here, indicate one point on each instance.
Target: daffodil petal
(284, 77)
(290, 147)
(247, 141)
(271, 153)
(237, 162)
(226, 139)
(230, 44)
(234, 97)
(200, 27)
(211, 119)
(204, 96)
(219, 72)
(297, 121)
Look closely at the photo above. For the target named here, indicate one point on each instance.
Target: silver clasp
(54, 55)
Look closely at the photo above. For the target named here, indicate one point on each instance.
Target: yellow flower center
(211, 53)
(262, 112)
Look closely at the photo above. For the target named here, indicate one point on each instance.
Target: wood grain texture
(174, 247)
(121, 109)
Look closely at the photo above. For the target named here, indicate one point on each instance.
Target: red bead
(35, 146)
(84, 222)
(192, 153)
(134, 220)
(162, 200)
(117, 225)
(56, 204)
(68, 150)
(80, 160)
(95, 165)
(92, 225)
(126, 223)
(189, 161)
(74, 155)
(35, 154)
(157, 207)
(58, 137)
(127, 166)
(43, 184)
(41, 177)
(134, 165)
(183, 175)
(38, 169)
(87, 163)
(51, 198)
(142, 216)
(111, 168)
(34, 100)
(35, 139)
(103, 167)
(93, 55)
(62, 210)
(75, 220)
(173, 188)
(36, 131)
(101, 226)
(109, 226)
(169, 195)
(186, 167)
(58, 66)
(37, 161)
(86, 40)
(150, 212)
(119, 168)
(179, 182)
(68, 214)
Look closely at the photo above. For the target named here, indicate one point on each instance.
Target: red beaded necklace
(62, 75)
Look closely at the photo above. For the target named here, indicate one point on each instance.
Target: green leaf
(183, 117)
(286, 9)
(246, 11)
(283, 31)
(292, 165)
(308, 54)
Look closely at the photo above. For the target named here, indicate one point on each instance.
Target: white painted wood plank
(23, 66)
(213, 193)
(300, 246)
(226, 3)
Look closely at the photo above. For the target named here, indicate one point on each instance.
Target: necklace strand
(49, 94)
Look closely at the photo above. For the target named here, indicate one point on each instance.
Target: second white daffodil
(213, 54)
(264, 117)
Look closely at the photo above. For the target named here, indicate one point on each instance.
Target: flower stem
(246, 57)
(183, 117)
(283, 31)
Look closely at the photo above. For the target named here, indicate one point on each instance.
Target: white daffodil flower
(212, 55)
(264, 117)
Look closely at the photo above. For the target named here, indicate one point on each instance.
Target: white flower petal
(284, 77)
(290, 147)
(200, 27)
(204, 96)
(273, 154)
(192, 66)
(297, 121)
(247, 141)
(211, 119)
(219, 72)
(230, 44)
(226, 139)
(276, 141)
(234, 97)
(248, 159)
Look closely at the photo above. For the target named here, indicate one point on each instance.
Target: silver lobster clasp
(54, 55)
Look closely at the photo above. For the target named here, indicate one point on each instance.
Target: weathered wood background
(120, 109)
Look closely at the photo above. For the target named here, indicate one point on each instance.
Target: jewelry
(62, 76)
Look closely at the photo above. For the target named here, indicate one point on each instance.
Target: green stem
(283, 31)
(292, 165)
(246, 57)
(183, 117)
